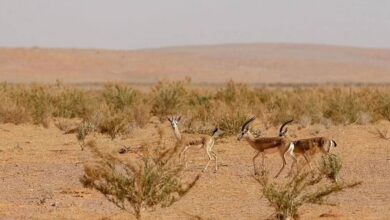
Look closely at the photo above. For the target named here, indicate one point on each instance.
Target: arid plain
(41, 167)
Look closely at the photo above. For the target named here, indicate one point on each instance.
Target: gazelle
(265, 145)
(187, 141)
(311, 146)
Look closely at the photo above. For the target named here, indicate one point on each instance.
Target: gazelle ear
(169, 119)
(179, 118)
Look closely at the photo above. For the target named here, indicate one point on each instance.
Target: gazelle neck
(177, 133)
(249, 137)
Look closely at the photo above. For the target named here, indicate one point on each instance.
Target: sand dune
(250, 63)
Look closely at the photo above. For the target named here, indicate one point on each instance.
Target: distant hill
(250, 63)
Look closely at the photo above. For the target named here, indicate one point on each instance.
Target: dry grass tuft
(382, 134)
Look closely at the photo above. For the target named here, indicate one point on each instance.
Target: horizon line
(303, 44)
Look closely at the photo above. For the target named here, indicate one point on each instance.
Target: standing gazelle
(265, 145)
(311, 146)
(186, 141)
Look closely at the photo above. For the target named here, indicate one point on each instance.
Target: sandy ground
(250, 63)
(40, 171)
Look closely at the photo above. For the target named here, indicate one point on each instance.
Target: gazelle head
(326, 145)
(245, 129)
(331, 144)
(282, 130)
(174, 120)
(217, 132)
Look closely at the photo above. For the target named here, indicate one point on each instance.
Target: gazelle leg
(308, 161)
(289, 149)
(292, 155)
(208, 162)
(215, 158)
(262, 160)
(180, 156)
(292, 166)
(213, 154)
(183, 153)
(254, 161)
(281, 169)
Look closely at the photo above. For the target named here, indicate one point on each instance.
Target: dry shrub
(72, 103)
(303, 188)
(109, 122)
(34, 102)
(168, 98)
(38, 100)
(226, 106)
(120, 97)
(330, 166)
(200, 105)
(68, 126)
(10, 112)
(83, 130)
(232, 105)
(114, 125)
(382, 106)
(141, 113)
(230, 122)
(234, 93)
(154, 180)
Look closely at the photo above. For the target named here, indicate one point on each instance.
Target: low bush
(303, 188)
(153, 180)
(168, 99)
(330, 166)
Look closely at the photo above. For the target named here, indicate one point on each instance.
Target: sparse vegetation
(154, 180)
(168, 98)
(83, 130)
(126, 107)
(382, 134)
(303, 188)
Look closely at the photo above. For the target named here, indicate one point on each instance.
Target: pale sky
(130, 24)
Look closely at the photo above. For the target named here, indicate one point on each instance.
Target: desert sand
(249, 63)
